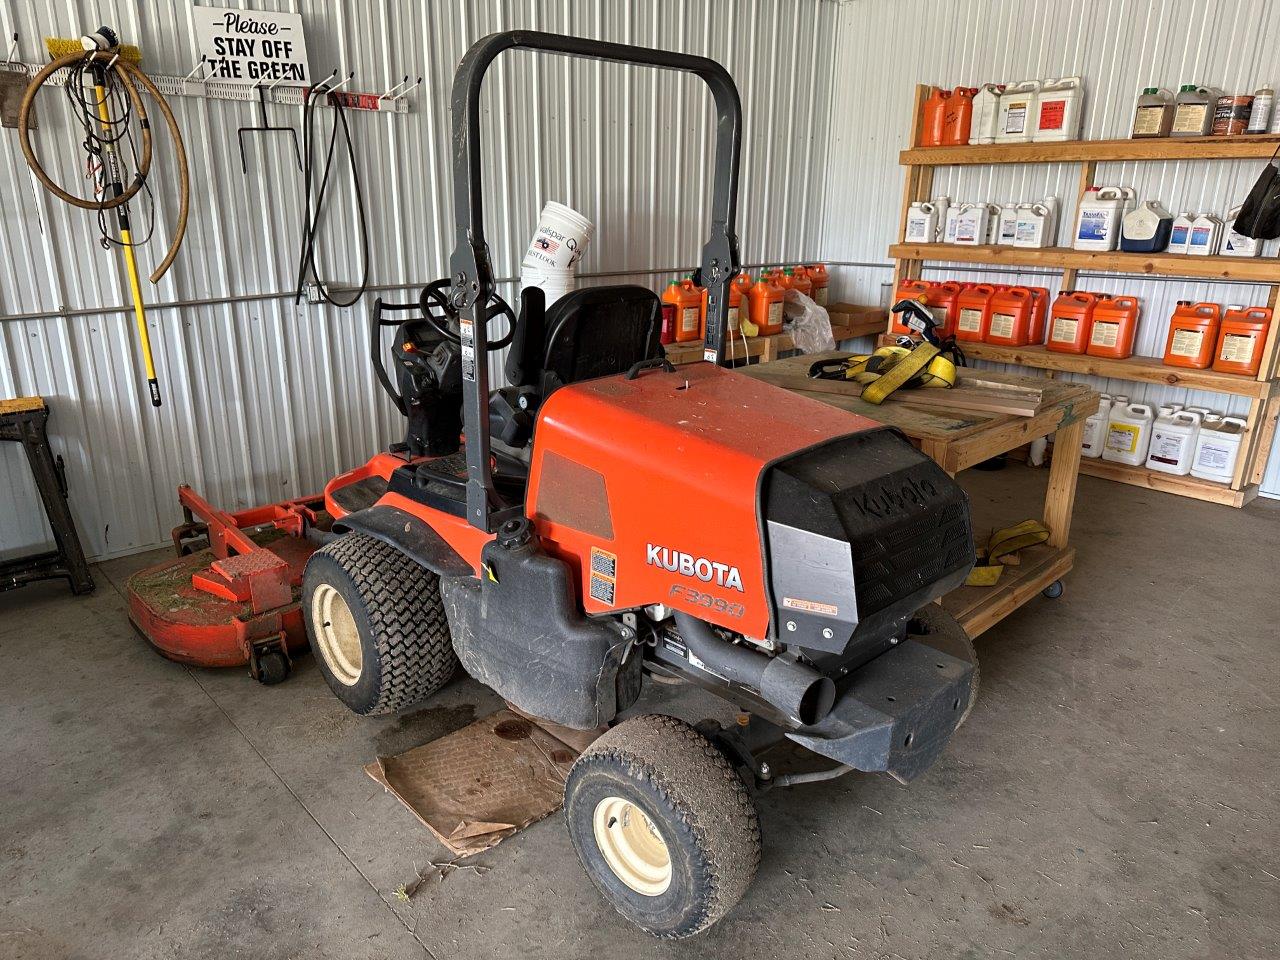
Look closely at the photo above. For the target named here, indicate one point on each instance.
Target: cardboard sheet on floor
(479, 785)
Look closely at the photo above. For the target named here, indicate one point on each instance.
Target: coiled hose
(130, 78)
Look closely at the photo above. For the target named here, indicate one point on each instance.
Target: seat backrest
(598, 332)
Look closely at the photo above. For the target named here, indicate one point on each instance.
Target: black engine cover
(860, 533)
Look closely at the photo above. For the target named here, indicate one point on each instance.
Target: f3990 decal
(718, 604)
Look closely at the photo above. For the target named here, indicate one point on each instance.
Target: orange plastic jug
(687, 298)
(944, 300)
(1193, 333)
(957, 116)
(1115, 324)
(1071, 321)
(1039, 314)
(738, 290)
(933, 121)
(908, 290)
(974, 317)
(818, 274)
(1011, 317)
(800, 281)
(765, 306)
(1241, 341)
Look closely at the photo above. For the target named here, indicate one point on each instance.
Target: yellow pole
(126, 240)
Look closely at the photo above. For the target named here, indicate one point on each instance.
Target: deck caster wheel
(1054, 590)
(270, 668)
(663, 825)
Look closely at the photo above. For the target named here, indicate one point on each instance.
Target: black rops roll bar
(470, 266)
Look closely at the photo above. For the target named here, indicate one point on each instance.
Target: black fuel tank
(860, 533)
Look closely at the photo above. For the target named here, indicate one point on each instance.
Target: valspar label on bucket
(561, 238)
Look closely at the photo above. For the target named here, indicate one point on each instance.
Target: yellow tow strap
(889, 368)
(1001, 545)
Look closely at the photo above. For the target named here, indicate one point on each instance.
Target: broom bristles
(61, 46)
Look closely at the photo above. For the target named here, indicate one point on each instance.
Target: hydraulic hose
(130, 78)
(798, 691)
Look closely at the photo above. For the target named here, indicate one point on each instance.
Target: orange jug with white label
(1070, 321)
(800, 281)
(909, 289)
(944, 303)
(686, 296)
(765, 306)
(974, 312)
(1115, 325)
(818, 274)
(738, 291)
(1010, 323)
(1193, 334)
(1241, 340)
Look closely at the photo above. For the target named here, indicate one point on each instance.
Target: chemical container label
(689, 319)
(1104, 334)
(1064, 329)
(1237, 348)
(775, 313)
(1147, 121)
(1167, 449)
(1052, 114)
(918, 230)
(1178, 238)
(820, 296)
(1213, 457)
(1122, 437)
(1002, 325)
(1189, 117)
(970, 320)
(1094, 225)
(732, 319)
(1025, 232)
(1200, 237)
(1016, 119)
(1187, 343)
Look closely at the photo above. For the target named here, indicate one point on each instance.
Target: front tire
(663, 825)
(376, 624)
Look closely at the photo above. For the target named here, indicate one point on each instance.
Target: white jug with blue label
(1205, 236)
(922, 223)
(971, 224)
(1180, 232)
(1236, 244)
(1098, 222)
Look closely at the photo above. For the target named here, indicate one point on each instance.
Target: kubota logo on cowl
(708, 571)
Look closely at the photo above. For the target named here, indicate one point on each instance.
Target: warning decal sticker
(811, 606)
(604, 575)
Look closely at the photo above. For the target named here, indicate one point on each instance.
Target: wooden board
(1167, 483)
(1252, 269)
(980, 608)
(849, 320)
(1073, 151)
(1144, 369)
(21, 405)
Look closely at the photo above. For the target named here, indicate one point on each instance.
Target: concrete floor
(1113, 794)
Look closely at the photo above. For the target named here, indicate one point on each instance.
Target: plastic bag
(808, 323)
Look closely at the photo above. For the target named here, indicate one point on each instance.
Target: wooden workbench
(848, 320)
(957, 440)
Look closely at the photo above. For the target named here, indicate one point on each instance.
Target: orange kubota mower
(609, 518)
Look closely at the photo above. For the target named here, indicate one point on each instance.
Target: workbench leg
(1064, 472)
(50, 483)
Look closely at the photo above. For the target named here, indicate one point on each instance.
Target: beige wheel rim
(335, 632)
(632, 846)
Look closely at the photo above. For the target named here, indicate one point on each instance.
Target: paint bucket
(562, 236)
(554, 283)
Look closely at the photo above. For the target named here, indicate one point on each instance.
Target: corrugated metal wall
(265, 399)
(1118, 46)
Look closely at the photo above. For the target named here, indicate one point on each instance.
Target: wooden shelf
(1187, 486)
(1144, 369)
(1256, 269)
(980, 608)
(1077, 151)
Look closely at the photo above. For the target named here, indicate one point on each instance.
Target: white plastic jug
(1205, 236)
(1128, 434)
(1235, 244)
(993, 224)
(1016, 120)
(1008, 229)
(1095, 430)
(1098, 222)
(949, 224)
(1173, 442)
(1033, 226)
(986, 113)
(1218, 448)
(1059, 110)
(1180, 232)
(922, 223)
(971, 224)
(942, 205)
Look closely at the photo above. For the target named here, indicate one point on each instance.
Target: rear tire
(376, 624)
(663, 825)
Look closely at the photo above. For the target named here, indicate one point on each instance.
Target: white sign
(252, 46)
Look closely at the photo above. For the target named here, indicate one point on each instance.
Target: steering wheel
(435, 295)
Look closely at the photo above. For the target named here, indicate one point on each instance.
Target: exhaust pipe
(798, 691)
